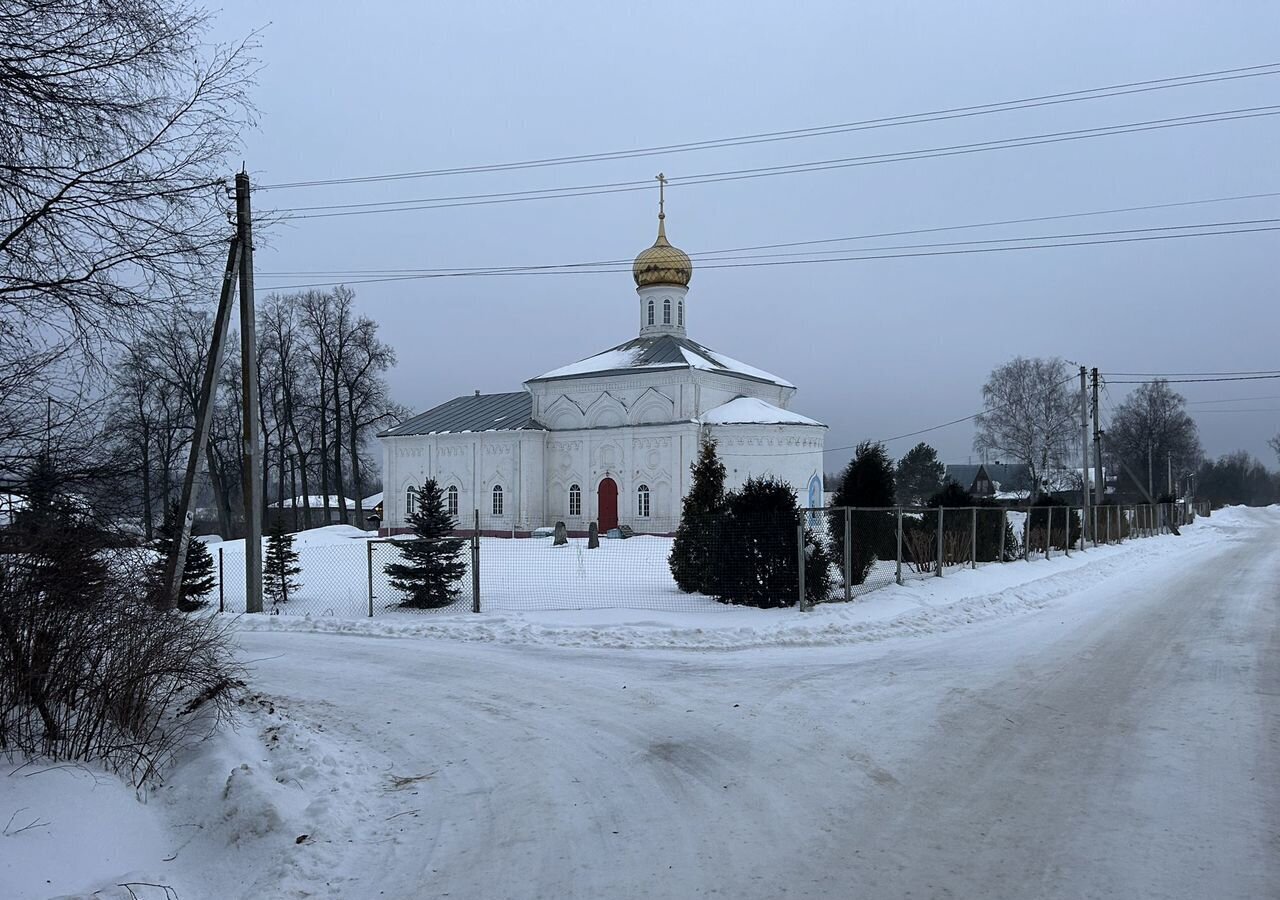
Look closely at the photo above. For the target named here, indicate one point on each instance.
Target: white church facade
(610, 438)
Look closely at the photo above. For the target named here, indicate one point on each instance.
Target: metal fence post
(1066, 531)
(1094, 530)
(475, 566)
(369, 554)
(1004, 526)
(848, 555)
(222, 594)
(804, 604)
(899, 575)
(1026, 536)
(973, 541)
(1048, 534)
(937, 569)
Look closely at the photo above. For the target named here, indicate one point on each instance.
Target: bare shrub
(920, 548)
(103, 675)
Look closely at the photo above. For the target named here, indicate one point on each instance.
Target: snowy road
(1122, 742)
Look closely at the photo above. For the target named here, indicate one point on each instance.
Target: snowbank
(278, 794)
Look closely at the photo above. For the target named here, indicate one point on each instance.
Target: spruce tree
(197, 572)
(198, 579)
(757, 562)
(433, 564)
(919, 475)
(868, 481)
(691, 553)
(280, 567)
(54, 544)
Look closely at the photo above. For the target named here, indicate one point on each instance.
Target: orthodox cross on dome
(663, 264)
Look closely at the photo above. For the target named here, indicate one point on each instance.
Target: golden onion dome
(662, 263)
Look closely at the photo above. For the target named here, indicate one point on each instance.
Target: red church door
(608, 504)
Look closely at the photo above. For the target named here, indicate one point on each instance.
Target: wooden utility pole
(1085, 529)
(177, 560)
(1098, 488)
(1151, 488)
(251, 452)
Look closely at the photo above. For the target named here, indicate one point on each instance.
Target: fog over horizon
(877, 347)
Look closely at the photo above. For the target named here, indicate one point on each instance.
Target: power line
(1192, 374)
(1205, 380)
(586, 190)
(986, 241)
(867, 255)
(1232, 400)
(712, 254)
(1134, 87)
(997, 223)
(921, 431)
(1107, 401)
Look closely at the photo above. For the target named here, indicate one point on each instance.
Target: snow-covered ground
(516, 576)
(1086, 727)
(518, 571)
(521, 574)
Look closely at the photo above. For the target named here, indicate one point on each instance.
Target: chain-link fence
(820, 556)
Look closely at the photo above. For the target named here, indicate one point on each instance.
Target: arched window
(497, 499)
(680, 314)
(666, 311)
(575, 500)
(451, 500)
(642, 501)
(650, 312)
(410, 500)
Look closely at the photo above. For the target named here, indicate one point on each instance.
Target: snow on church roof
(661, 352)
(752, 411)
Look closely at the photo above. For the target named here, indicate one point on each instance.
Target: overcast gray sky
(877, 348)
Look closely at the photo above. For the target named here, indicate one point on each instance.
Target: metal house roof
(477, 412)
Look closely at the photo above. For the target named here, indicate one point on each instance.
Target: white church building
(610, 438)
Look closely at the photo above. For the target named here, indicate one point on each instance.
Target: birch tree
(1030, 416)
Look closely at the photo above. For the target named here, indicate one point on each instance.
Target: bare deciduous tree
(1030, 416)
(116, 123)
(1150, 429)
(368, 401)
